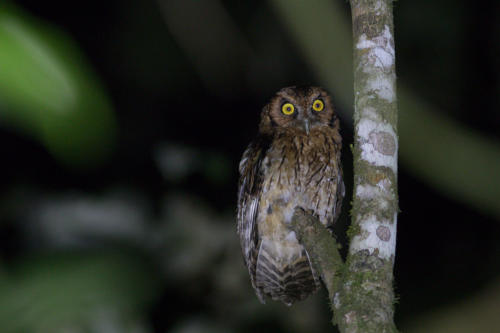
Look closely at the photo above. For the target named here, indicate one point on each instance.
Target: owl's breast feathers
(278, 174)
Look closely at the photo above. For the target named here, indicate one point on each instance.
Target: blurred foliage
(53, 292)
(457, 160)
(457, 317)
(48, 90)
(178, 162)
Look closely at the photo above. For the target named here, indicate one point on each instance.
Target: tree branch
(360, 303)
(321, 247)
(370, 261)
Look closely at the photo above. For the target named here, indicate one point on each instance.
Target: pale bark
(375, 202)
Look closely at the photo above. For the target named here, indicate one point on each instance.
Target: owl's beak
(305, 124)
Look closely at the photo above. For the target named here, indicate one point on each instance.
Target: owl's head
(299, 107)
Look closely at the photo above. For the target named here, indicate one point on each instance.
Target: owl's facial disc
(303, 109)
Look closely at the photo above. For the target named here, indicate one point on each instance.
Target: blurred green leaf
(51, 292)
(48, 90)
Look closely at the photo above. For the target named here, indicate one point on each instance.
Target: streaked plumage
(293, 162)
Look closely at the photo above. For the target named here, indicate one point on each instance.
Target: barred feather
(285, 280)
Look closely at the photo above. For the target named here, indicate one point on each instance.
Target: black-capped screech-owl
(293, 162)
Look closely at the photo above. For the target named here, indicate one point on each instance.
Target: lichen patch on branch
(378, 143)
(381, 50)
(377, 236)
(382, 86)
(377, 58)
(381, 195)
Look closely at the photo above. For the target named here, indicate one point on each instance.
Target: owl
(293, 162)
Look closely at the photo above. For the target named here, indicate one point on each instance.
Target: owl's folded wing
(339, 197)
(250, 187)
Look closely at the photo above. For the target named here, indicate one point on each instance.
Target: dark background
(143, 239)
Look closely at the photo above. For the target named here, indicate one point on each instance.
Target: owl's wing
(250, 187)
(339, 196)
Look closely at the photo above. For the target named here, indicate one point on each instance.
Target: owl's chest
(300, 163)
(297, 173)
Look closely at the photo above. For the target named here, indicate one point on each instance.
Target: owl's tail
(284, 272)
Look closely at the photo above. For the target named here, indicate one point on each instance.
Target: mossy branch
(358, 302)
(322, 248)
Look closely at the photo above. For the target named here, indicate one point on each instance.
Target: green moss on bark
(367, 299)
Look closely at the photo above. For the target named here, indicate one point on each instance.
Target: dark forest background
(121, 128)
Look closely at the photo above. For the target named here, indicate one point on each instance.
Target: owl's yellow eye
(287, 108)
(318, 105)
